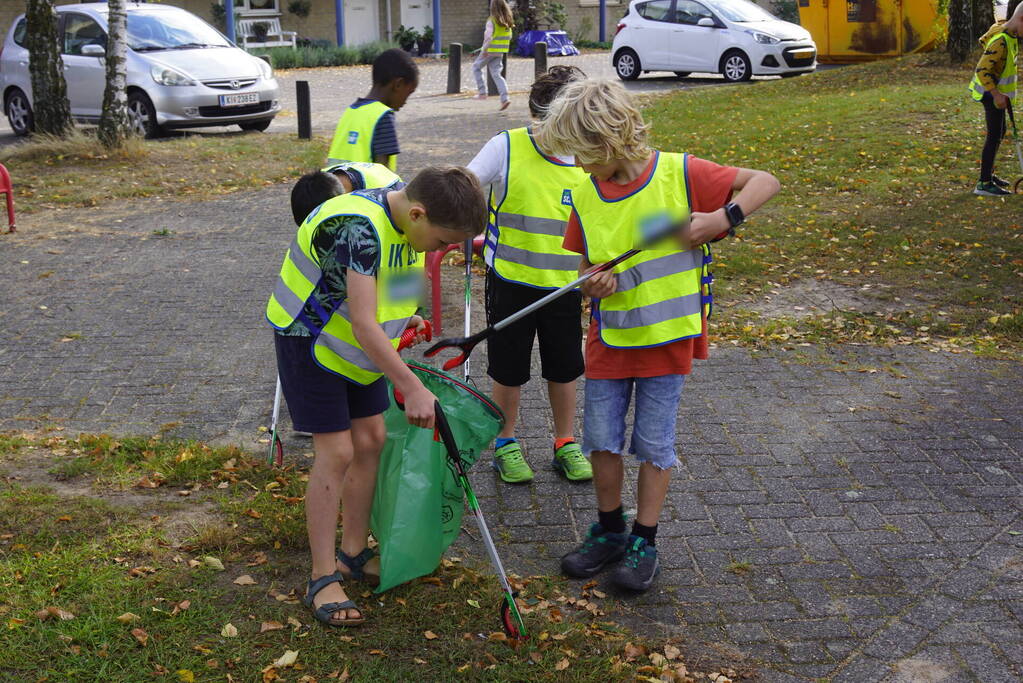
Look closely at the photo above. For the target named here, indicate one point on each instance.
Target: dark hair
(311, 190)
(392, 64)
(548, 84)
(452, 198)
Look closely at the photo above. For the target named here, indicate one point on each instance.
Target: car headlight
(265, 69)
(764, 38)
(164, 75)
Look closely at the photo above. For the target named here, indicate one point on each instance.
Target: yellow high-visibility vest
(523, 244)
(374, 176)
(1007, 80)
(353, 137)
(399, 284)
(501, 39)
(662, 292)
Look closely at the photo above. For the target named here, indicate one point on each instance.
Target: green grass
(99, 557)
(877, 164)
(81, 172)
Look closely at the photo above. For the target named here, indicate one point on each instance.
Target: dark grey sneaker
(637, 571)
(598, 550)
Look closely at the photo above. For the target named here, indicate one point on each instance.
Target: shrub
(323, 55)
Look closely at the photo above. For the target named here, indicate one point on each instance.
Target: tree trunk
(114, 123)
(51, 110)
(983, 17)
(960, 30)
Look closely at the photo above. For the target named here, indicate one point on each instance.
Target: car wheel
(627, 65)
(19, 113)
(681, 74)
(142, 115)
(735, 66)
(260, 125)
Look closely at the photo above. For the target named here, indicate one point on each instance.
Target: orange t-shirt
(710, 188)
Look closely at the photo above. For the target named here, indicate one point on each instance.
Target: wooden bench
(275, 36)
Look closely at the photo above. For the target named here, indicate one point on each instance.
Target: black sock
(644, 531)
(613, 522)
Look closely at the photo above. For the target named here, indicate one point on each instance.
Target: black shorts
(318, 400)
(557, 325)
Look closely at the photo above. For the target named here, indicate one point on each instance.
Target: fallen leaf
(64, 518)
(378, 653)
(128, 617)
(429, 635)
(287, 659)
(473, 603)
(213, 562)
(562, 664)
(270, 626)
(186, 676)
(141, 636)
(245, 580)
(181, 607)
(292, 621)
(56, 612)
(254, 514)
(672, 652)
(229, 630)
(535, 656)
(14, 622)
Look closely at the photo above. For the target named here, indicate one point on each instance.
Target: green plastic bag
(418, 505)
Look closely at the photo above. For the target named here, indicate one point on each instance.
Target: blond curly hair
(596, 121)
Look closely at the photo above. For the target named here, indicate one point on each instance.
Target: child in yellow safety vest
(496, 41)
(349, 286)
(648, 314)
(525, 262)
(366, 132)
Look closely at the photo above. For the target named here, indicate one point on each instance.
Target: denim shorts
(653, 432)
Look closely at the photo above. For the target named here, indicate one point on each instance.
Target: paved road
(875, 493)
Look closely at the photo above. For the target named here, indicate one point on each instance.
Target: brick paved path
(879, 511)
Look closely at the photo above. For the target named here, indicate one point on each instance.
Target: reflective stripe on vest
(374, 176)
(501, 39)
(529, 222)
(336, 348)
(1007, 79)
(662, 293)
(353, 137)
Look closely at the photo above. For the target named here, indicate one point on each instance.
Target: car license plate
(239, 99)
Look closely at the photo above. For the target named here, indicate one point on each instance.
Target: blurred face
(601, 171)
(400, 92)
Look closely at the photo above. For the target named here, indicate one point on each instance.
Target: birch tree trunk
(960, 30)
(114, 123)
(51, 109)
(983, 17)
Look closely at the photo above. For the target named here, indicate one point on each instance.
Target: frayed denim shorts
(653, 432)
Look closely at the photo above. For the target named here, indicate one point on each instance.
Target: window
(655, 10)
(79, 31)
(689, 12)
(19, 33)
(861, 11)
(257, 6)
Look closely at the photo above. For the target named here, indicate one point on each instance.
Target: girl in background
(496, 39)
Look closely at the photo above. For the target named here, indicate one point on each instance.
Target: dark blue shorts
(318, 400)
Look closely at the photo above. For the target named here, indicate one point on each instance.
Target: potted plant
(406, 38)
(260, 30)
(300, 8)
(425, 41)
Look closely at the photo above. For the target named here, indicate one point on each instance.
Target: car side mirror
(93, 51)
(706, 21)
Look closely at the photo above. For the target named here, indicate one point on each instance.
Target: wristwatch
(735, 216)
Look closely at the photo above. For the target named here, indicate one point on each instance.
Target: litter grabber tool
(652, 231)
(511, 618)
(275, 455)
(410, 334)
(467, 250)
(1017, 187)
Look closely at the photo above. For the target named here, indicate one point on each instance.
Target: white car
(182, 72)
(732, 37)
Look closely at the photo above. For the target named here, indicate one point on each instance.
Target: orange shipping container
(861, 30)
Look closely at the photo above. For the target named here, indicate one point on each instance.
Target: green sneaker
(570, 461)
(990, 189)
(508, 461)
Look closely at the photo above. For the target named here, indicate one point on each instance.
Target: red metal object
(7, 189)
(433, 260)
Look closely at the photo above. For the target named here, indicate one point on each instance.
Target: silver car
(182, 72)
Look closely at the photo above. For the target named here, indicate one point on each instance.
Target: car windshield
(151, 31)
(742, 11)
